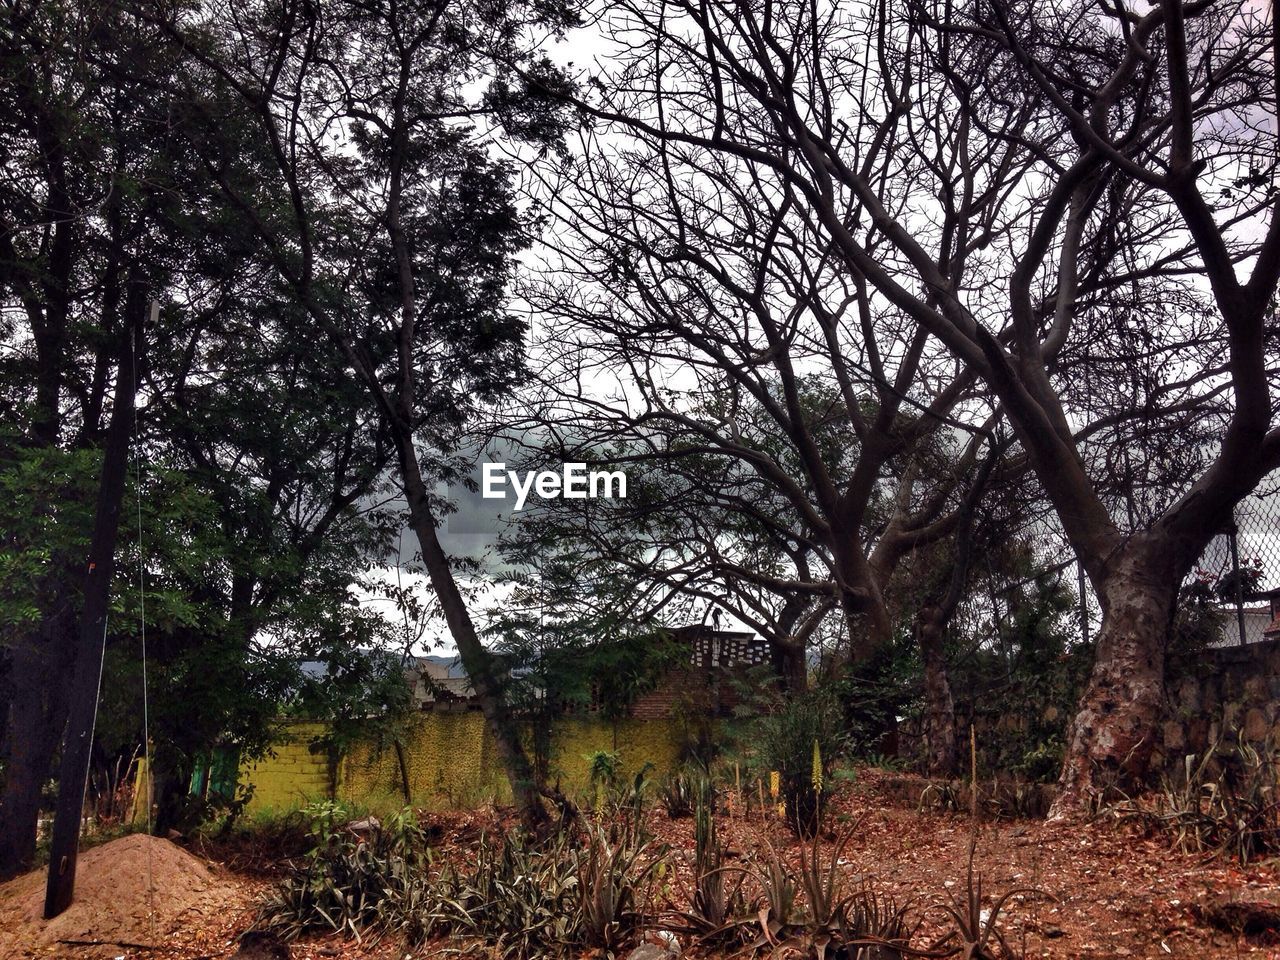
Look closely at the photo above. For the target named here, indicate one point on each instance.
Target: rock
(367, 825)
(1175, 740)
(1255, 725)
(656, 945)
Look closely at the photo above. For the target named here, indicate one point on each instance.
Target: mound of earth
(115, 906)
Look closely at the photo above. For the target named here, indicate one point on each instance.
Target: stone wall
(1222, 689)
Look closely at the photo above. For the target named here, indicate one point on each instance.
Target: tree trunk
(86, 676)
(476, 660)
(939, 707)
(789, 665)
(37, 714)
(1110, 741)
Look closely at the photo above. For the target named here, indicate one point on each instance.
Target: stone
(1189, 695)
(1231, 715)
(1175, 737)
(1255, 725)
(651, 951)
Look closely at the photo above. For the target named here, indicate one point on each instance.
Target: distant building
(705, 681)
(1261, 620)
(439, 680)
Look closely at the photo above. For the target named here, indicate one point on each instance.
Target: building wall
(451, 760)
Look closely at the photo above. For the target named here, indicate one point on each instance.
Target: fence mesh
(1235, 585)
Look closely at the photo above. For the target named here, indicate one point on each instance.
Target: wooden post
(973, 776)
(73, 770)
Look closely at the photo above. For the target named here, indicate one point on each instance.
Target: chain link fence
(1235, 586)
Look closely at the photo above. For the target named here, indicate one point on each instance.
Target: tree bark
(939, 707)
(476, 660)
(789, 665)
(37, 714)
(86, 678)
(1110, 740)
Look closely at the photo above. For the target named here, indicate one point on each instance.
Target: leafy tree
(381, 209)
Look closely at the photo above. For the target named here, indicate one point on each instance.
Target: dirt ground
(1108, 892)
(135, 890)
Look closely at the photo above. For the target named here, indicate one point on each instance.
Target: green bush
(355, 881)
(801, 740)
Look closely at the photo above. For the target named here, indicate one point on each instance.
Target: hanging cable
(142, 622)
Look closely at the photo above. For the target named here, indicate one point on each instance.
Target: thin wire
(146, 706)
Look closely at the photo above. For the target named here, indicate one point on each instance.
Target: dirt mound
(113, 903)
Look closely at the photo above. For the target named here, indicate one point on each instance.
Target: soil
(116, 905)
(1098, 891)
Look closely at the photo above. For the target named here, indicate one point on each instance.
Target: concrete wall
(451, 761)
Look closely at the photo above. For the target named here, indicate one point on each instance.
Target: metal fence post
(1238, 583)
(1084, 603)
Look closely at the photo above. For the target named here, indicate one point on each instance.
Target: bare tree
(998, 179)
(699, 313)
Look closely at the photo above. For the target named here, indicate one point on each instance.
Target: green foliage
(784, 740)
(1023, 688)
(1043, 762)
(603, 767)
(37, 538)
(355, 881)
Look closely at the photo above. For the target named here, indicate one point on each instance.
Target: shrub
(717, 906)
(801, 740)
(527, 900)
(355, 880)
(1225, 802)
(831, 921)
(677, 794)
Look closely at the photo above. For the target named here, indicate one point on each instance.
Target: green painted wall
(451, 761)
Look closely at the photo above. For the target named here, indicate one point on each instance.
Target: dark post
(1084, 603)
(73, 770)
(1232, 538)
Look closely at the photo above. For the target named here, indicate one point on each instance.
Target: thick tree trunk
(789, 665)
(1110, 741)
(37, 714)
(939, 707)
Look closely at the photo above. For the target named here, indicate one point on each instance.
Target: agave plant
(717, 909)
(976, 929)
(776, 909)
(1226, 802)
(361, 883)
(611, 889)
(678, 793)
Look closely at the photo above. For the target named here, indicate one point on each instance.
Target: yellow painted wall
(451, 760)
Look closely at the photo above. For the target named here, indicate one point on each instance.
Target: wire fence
(1236, 581)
